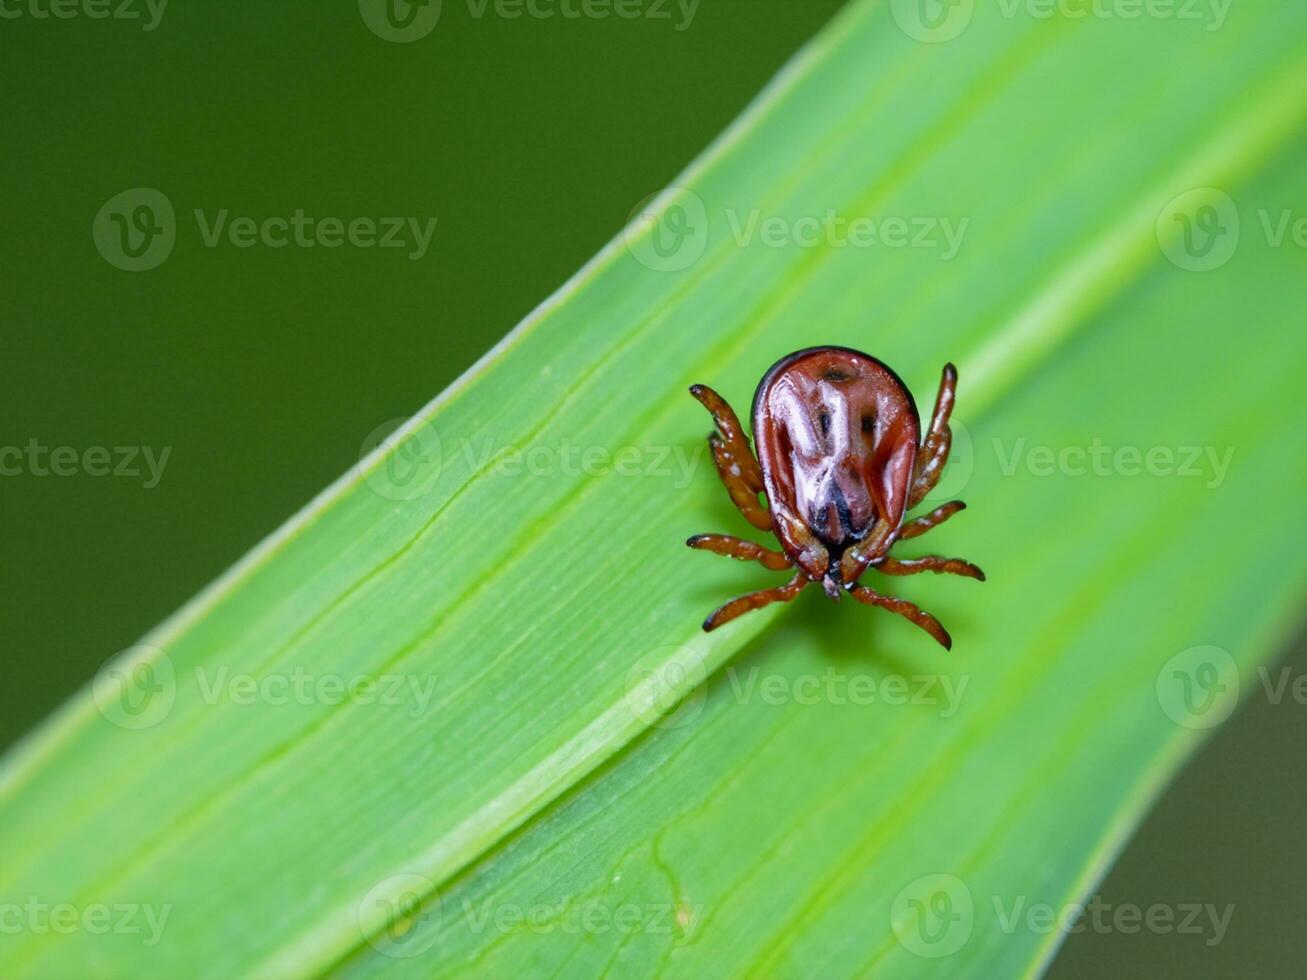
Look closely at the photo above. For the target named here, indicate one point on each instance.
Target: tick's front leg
(734, 459)
(741, 491)
(755, 600)
(724, 544)
(933, 453)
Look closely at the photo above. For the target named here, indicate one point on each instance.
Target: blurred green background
(263, 371)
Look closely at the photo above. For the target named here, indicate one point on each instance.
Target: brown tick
(840, 462)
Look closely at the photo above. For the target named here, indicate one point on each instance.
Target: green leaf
(458, 716)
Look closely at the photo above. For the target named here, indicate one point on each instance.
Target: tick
(840, 461)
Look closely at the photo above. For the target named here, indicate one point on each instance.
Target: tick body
(841, 459)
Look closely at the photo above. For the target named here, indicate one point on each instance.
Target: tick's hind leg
(733, 456)
(933, 453)
(906, 609)
(931, 563)
(921, 525)
(755, 600)
(724, 544)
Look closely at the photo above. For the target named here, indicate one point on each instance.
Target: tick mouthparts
(832, 587)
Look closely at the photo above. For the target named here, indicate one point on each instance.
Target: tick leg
(736, 464)
(933, 453)
(755, 600)
(906, 609)
(732, 433)
(742, 493)
(724, 544)
(924, 523)
(931, 563)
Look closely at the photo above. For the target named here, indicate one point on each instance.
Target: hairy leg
(731, 547)
(922, 524)
(906, 609)
(931, 563)
(755, 600)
